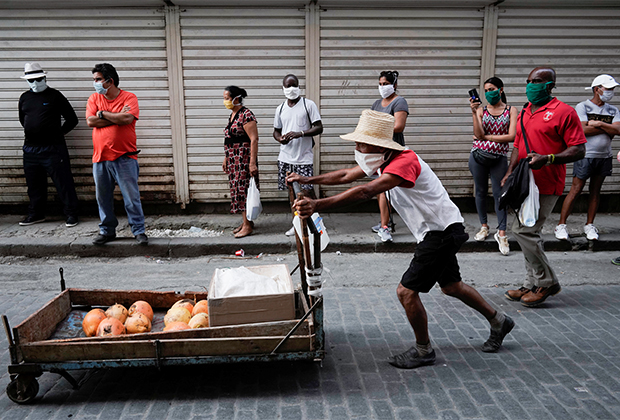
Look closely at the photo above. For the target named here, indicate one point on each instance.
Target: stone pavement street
(560, 362)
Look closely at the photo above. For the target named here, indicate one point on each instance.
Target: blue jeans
(481, 182)
(123, 171)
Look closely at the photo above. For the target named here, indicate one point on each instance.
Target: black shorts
(587, 167)
(434, 260)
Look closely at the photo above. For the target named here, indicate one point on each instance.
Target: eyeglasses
(38, 79)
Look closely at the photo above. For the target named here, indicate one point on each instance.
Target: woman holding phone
(494, 128)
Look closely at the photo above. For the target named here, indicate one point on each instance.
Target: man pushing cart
(434, 220)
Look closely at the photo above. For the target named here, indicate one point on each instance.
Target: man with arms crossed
(600, 122)
(434, 220)
(112, 113)
(555, 137)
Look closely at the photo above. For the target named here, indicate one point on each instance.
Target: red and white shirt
(420, 200)
(552, 129)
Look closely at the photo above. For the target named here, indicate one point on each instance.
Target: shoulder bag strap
(527, 147)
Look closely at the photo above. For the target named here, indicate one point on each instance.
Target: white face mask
(37, 86)
(370, 162)
(386, 91)
(606, 95)
(291, 93)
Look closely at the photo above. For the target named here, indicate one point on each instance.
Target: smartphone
(473, 94)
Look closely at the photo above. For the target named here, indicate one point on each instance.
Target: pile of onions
(201, 307)
(110, 326)
(137, 323)
(178, 314)
(200, 320)
(185, 303)
(117, 311)
(142, 307)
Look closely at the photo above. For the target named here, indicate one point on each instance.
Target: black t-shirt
(40, 115)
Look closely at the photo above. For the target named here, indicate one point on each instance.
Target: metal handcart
(51, 339)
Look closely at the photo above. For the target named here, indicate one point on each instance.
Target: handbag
(253, 206)
(517, 185)
(484, 158)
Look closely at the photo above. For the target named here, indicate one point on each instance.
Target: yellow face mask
(228, 104)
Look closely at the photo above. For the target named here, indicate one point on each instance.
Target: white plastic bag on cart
(253, 206)
(320, 226)
(528, 213)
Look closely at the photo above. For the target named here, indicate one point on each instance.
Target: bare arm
(314, 130)
(476, 114)
(252, 132)
(400, 120)
(306, 206)
(611, 129)
(571, 154)
(111, 118)
(341, 176)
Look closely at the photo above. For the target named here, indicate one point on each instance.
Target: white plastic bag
(528, 213)
(318, 222)
(253, 206)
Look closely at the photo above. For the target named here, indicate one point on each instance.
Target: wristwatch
(100, 115)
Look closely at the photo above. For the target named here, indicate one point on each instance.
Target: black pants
(37, 166)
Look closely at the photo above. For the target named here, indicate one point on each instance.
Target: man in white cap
(600, 122)
(434, 220)
(41, 110)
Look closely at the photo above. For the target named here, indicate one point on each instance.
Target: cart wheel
(20, 392)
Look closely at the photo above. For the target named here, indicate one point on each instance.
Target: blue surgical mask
(99, 88)
(606, 95)
(37, 86)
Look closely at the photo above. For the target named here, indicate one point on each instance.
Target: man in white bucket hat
(41, 111)
(434, 220)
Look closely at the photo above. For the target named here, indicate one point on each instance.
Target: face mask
(493, 96)
(606, 95)
(99, 88)
(291, 93)
(537, 92)
(369, 162)
(230, 104)
(40, 86)
(386, 91)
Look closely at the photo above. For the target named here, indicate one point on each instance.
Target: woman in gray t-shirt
(397, 106)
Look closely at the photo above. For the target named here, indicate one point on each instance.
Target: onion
(92, 320)
(110, 326)
(142, 307)
(185, 303)
(200, 320)
(117, 311)
(176, 326)
(177, 314)
(202, 307)
(137, 323)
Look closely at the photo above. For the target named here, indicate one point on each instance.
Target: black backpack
(517, 186)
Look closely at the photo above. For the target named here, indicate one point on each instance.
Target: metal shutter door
(437, 53)
(578, 43)
(250, 48)
(67, 43)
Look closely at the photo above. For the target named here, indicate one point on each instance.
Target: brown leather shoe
(539, 294)
(516, 295)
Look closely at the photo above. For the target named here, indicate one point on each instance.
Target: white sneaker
(504, 248)
(290, 232)
(384, 234)
(561, 233)
(482, 234)
(591, 232)
(376, 228)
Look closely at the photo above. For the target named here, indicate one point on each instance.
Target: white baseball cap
(33, 71)
(604, 80)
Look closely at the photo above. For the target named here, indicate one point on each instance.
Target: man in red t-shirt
(555, 137)
(113, 113)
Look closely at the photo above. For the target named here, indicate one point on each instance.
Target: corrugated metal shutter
(67, 43)
(250, 48)
(437, 53)
(578, 43)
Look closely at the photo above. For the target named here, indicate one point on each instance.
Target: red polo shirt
(550, 130)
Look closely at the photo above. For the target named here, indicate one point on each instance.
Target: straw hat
(375, 128)
(33, 71)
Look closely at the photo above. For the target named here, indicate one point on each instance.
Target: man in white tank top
(434, 220)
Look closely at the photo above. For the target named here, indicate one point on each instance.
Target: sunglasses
(38, 79)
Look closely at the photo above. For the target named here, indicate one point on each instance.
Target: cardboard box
(252, 309)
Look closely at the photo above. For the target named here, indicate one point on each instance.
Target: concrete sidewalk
(348, 232)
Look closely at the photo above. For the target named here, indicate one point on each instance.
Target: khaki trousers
(539, 272)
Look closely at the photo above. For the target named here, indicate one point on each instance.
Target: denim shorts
(435, 260)
(586, 167)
